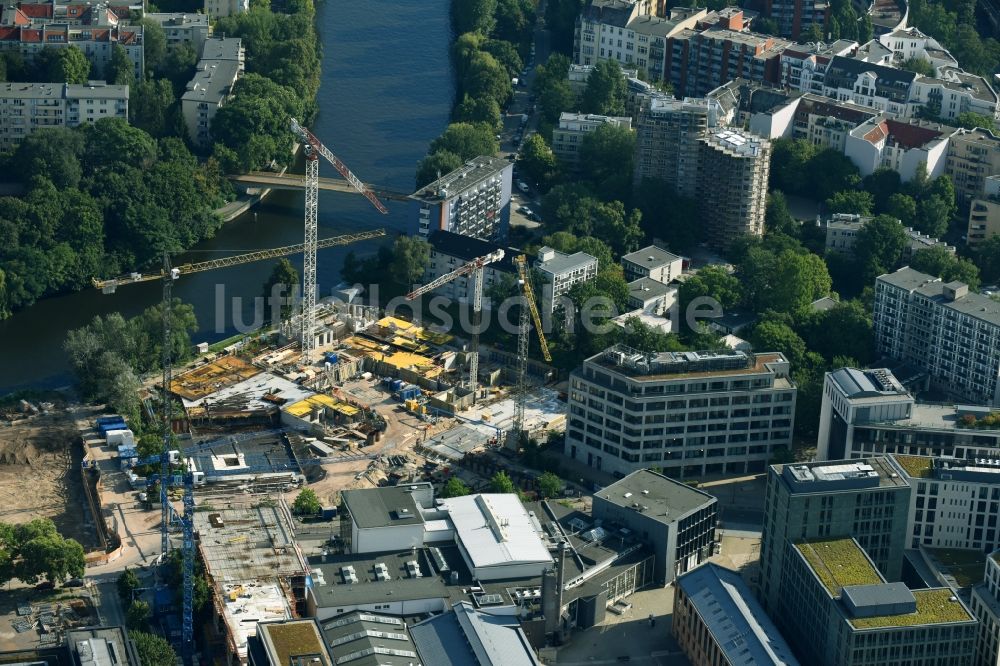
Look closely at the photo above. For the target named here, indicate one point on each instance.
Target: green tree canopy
(473, 15)
(857, 202)
(454, 488)
(307, 503)
(120, 71)
(938, 261)
(153, 649)
(435, 165)
(879, 246)
(67, 65)
(483, 109)
(550, 485)
(410, 256)
(606, 160)
(502, 483)
(283, 274)
(467, 140)
(127, 584)
(783, 282)
(777, 336)
(154, 44)
(35, 550)
(137, 616)
(537, 161)
(606, 89)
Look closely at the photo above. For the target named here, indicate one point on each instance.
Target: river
(378, 113)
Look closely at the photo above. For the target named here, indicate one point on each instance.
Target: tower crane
(476, 268)
(521, 388)
(313, 148)
(169, 274)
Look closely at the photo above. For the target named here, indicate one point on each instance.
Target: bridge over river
(295, 182)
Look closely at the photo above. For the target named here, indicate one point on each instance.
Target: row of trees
(36, 551)
(549, 485)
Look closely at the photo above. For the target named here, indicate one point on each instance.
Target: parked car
(523, 186)
(533, 216)
(74, 582)
(524, 210)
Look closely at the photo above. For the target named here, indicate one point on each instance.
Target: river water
(386, 93)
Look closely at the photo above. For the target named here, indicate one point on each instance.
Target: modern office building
(26, 107)
(560, 272)
(473, 200)
(717, 620)
(984, 212)
(733, 168)
(944, 329)
(182, 28)
(652, 262)
(842, 232)
(473, 636)
(676, 520)
(687, 413)
(865, 499)
(985, 605)
(568, 135)
(868, 412)
(667, 136)
(450, 251)
(837, 609)
(955, 503)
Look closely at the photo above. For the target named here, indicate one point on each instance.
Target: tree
(467, 140)
(987, 256)
(482, 109)
(777, 336)
(783, 282)
(410, 256)
(777, 217)
(918, 65)
(137, 616)
(127, 584)
(35, 550)
(606, 159)
(560, 19)
(713, 282)
(149, 104)
(454, 488)
(153, 649)
(882, 184)
(902, 207)
(971, 120)
(254, 123)
(69, 65)
(121, 70)
(154, 44)
(606, 89)
(550, 485)
(502, 483)
(307, 503)
(879, 246)
(938, 261)
(789, 160)
(537, 161)
(856, 202)
(844, 330)
(283, 274)
(505, 51)
(473, 15)
(554, 99)
(111, 142)
(52, 153)
(487, 78)
(435, 165)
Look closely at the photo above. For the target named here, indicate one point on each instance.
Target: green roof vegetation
(918, 467)
(933, 607)
(965, 565)
(294, 639)
(838, 563)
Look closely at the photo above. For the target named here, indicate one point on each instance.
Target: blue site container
(397, 384)
(105, 427)
(331, 357)
(101, 420)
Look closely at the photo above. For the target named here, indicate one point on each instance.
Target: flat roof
(839, 563)
(213, 80)
(222, 48)
(382, 507)
(320, 401)
(286, 640)
(205, 380)
(651, 256)
(735, 142)
(683, 365)
(877, 382)
(247, 604)
(469, 175)
(934, 606)
(468, 635)
(247, 542)
(736, 620)
(833, 475)
(564, 263)
(667, 500)
(646, 288)
(90, 90)
(103, 646)
(494, 530)
(362, 638)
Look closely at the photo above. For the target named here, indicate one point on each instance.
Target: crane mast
(313, 149)
(475, 267)
(529, 311)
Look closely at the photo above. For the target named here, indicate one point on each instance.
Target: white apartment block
(985, 605)
(911, 44)
(733, 168)
(900, 145)
(218, 8)
(943, 329)
(473, 200)
(984, 212)
(25, 107)
(561, 272)
(842, 233)
(652, 262)
(568, 136)
(221, 65)
(953, 92)
(181, 28)
(689, 413)
(96, 42)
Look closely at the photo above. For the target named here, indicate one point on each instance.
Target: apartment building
(450, 251)
(867, 84)
(687, 413)
(862, 498)
(985, 605)
(667, 140)
(711, 605)
(807, 59)
(900, 145)
(796, 17)
(652, 262)
(837, 609)
(911, 44)
(219, 8)
(943, 329)
(699, 61)
(473, 200)
(568, 135)
(842, 233)
(973, 156)
(25, 107)
(181, 28)
(733, 168)
(96, 42)
(35, 14)
(984, 212)
(649, 296)
(955, 502)
(221, 65)
(677, 521)
(560, 273)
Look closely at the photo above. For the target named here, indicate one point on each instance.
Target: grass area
(933, 607)
(918, 467)
(294, 639)
(839, 563)
(966, 565)
(222, 344)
